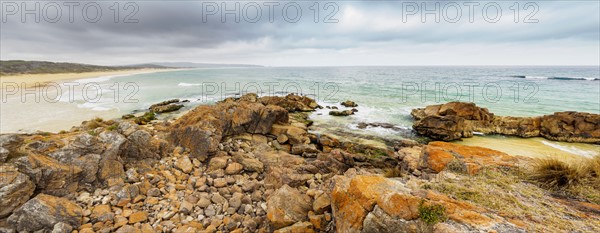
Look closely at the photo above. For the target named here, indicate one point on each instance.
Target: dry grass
(510, 193)
(594, 169)
(575, 179)
(555, 174)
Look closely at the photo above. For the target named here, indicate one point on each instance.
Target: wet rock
(349, 104)
(166, 108)
(166, 102)
(287, 206)
(43, 212)
(15, 189)
(341, 113)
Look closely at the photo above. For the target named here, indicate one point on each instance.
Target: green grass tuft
(432, 213)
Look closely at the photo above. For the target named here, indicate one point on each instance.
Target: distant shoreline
(33, 80)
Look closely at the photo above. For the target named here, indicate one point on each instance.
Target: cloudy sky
(342, 33)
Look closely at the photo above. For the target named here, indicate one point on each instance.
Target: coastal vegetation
(15, 67)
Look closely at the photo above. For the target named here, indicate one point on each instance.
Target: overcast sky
(356, 33)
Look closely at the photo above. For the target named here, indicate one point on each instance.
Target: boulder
(349, 104)
(50, 176)
(377, 221)
(291, 102)
(15, 189)
(9, 143)
(202, 129)
(352, 199)
(290, 133)
(445, 128)
(341, 113)
(305, 227)
(45, 211)
(300, 149)
(184, 164)
(287, 206)
(438, 155)
(250, 164)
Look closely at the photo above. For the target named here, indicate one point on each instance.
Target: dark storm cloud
(178, 31)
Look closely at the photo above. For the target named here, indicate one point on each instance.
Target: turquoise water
(384, 94)
(389, 90)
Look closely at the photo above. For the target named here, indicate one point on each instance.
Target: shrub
(144, 119)
(93, 133)
(457, 166)
(432, 213)
(112, 127)
(95, 123)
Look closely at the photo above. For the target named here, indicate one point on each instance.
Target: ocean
(385, 95)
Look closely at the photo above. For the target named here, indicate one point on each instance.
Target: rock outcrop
(45, 212)
(251, 164)
(370, 203)
(437, 156)
(9, 143)
(203, 128)
(455, 120)
(15, 189)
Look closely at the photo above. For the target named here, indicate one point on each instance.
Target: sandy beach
(42, 79)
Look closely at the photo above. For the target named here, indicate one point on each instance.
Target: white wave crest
(189, 84)
(570, 149)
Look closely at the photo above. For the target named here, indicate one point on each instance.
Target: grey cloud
(168, 28)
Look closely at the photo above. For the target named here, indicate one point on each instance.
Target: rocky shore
(251, 164)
